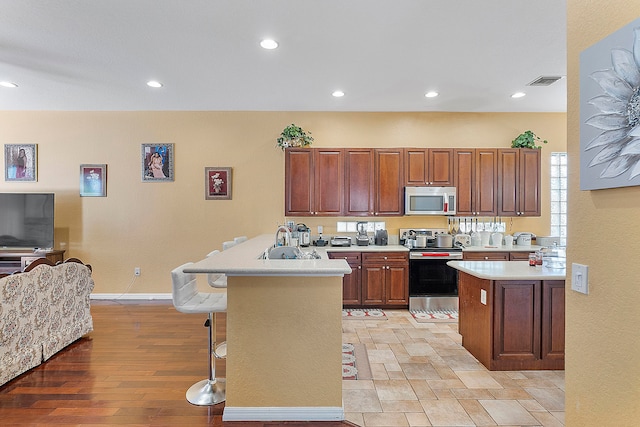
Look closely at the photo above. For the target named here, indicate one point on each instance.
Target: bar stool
(228, 244)
(240, 239)
(187, 299)
(216, 280)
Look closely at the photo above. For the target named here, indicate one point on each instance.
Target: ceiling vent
(544, 81)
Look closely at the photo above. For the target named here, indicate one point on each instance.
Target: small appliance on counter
(382, 238)
(523, 239)
(362, 239)
(341, 241)
(304, 235)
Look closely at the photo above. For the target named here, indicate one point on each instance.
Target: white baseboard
(132, 296)
(313, 413)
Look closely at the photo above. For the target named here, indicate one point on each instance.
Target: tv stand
(12, 260)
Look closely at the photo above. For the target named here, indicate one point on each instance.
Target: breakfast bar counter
(511, 315)
(284, 333)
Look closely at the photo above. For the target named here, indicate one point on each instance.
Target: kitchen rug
(355, 362)
(363, 314)
(423, 316)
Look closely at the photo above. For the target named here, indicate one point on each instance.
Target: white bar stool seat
(216, 280)
(187, 299)
(228, 244)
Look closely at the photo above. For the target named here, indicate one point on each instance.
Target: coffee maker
(362, 239)
(382, 238)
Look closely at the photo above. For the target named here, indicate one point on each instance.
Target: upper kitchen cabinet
(389, 177)
(476, 181)
(519, 182)
(429, 166)
(314, 182)
(359, 182)
(374, 182)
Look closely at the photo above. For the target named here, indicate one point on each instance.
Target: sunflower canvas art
(610, 111)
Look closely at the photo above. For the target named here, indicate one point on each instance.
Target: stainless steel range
(433, 285)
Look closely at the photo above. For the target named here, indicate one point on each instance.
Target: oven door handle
(434, 254)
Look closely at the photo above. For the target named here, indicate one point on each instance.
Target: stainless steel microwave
(429, 200)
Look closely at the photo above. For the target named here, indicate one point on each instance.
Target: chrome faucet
(288, 235)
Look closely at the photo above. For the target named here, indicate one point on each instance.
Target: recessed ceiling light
(154, 83)
(338, 93)
(8, 84)
(269, 44)
(518, 95)
(431, 94)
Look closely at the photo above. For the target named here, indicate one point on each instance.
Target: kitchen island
(284, 334)
(511, 315)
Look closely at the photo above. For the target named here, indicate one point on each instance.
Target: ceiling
(384, 54)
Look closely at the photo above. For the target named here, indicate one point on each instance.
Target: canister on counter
(532, 259)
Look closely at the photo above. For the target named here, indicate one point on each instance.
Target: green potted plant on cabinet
(527, 139)
(294, 136)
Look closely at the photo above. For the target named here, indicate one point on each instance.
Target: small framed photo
(217, 183)
(93, 180)
(157, 162)
(20, 162)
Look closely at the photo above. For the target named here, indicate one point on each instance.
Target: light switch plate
(580, 278)
(483, 296)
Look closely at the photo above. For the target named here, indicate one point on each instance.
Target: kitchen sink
(288, 252)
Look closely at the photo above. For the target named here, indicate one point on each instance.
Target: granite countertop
(369, 248)
(507, 270)
(245, 259)
(514, 248)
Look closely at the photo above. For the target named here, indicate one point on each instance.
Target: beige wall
(160, 225)
(602, 367)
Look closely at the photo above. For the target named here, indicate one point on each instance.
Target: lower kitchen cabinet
(385, 279)
(496, 256)
(351, 283)
(379, 279)
(513, 324)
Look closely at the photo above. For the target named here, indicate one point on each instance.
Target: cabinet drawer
(351, 257)
(385, 257)
(486, 256)
(519, 256)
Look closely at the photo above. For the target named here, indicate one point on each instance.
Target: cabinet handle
(486, 258)
(359, 267)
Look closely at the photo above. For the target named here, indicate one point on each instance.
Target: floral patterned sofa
(42, 310)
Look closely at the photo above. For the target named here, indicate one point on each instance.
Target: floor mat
(422, 316)
(363, 313)
(355, 362)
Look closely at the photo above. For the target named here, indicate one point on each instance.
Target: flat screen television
(26, 220)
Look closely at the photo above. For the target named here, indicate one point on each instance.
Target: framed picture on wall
(157, 162)
(93, 180)
(20, 162)
(217, 183)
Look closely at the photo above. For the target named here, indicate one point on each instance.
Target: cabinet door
(359, 182)
(441, 167)
(529, 196)
(553, 319)
(508, 182)
(373, 278)
(516, 320)
(486, 183)
(415, 166)
(351, 283)
(389, 179)
(486, 256)
(299, 182)
(397, 283)
(328, 182)
(464, 172)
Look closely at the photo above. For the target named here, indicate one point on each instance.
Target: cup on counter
(508, 241)
(532, 260)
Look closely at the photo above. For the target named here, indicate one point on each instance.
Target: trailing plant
(527, 139)
(294, 136)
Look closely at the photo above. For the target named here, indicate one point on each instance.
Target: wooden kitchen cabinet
(519, 182)
(429, 166)
(359, 182)
(374, 182)
(351, 283)
(314, 182)
(389, 179)
(519, 256)
(476, 181)
(520, 325)
(385, 279)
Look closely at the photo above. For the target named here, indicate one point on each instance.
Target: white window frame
(559, 191)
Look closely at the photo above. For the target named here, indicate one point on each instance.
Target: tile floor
(422, 376)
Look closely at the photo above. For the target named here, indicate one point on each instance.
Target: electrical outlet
(580, 278)
(483, 296)
(136, 271)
